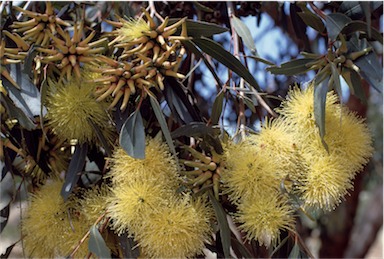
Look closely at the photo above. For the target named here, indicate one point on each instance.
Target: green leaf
(371, 70)
(75, 166)
(367, 12)
(249, 102)
(177, 105)
(194, 129)
(360, 26)
(200, 130)
(243, 31)
(7, 190)
(242, 249)
(336, 79)
(292, 67)
(352, 9)
(28, 97)
(312, 20)
(129, 246)
(320, 98)
(192, 47)
(335, 22)
(216, 51)
(323, 74)
(217, 108)
(29, 60)
(280, 245)
(257, 58)
(295, 252)
(353, 80)
(163, 124)
(132, 136)
(225, 232)
(197, 29)
(202, 7)
(17, 113)
(101, 137)
(97, 245)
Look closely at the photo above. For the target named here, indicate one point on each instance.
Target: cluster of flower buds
(205, 170)
(36, 29)
(149, 52)
(68, 53)
(12, 55)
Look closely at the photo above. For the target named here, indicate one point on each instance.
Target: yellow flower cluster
(149, 52)
(330, 173)
(146, 205)
(253, 173)
(52, 228)
(288, 152)
(72, 109)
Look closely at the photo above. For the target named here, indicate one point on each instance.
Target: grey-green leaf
(295, 252)
(197, 29)
(335, 22)
(216, 51)
(163, 124)
(336, 79)
(371, 70)
(17, 113)
(75, 166)
(292, 67)
(191, 47)
(360, 26)
(97, 245)
(132, 136)
(225, 232)
(320, 98)
(260, 59)
(312, 20)
(245, 34)
(354, 82)
(217, 108)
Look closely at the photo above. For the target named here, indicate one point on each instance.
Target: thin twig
(86, 236)
(235, 39)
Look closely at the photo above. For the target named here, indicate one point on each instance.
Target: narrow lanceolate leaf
(371, 70)
(97, 245)
(163, 124)
(7, 188)
(29, 60)
(225, 232)
(334, 23)
(16, 113)
(260, 59)
(295, 252)
(354, 82)
(312, 20)
(197, 29)
(194, 129)
(360, 26)
(191, 47)
(217, 108)
(336, 79)
(245, 34)
(216, 51)
(101, 137)
(75, 167)
(28, 97)
(320, 99)
(292, 67)
(132, 136)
